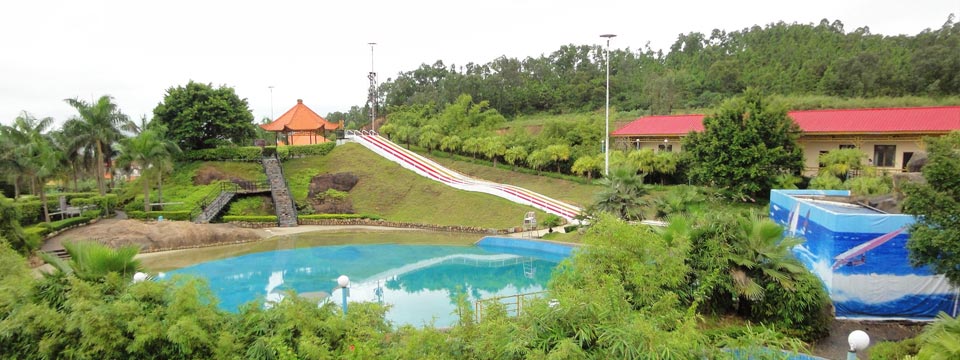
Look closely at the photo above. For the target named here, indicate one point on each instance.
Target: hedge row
(183, 215)
(108, 201)
(255, 153)
(273, 218)
(44, 229)
(72, 195)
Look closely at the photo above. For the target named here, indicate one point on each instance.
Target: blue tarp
(861, 257)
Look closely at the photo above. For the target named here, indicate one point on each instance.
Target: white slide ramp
(431, 170)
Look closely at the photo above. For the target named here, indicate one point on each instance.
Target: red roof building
(889, 136)
(300, 126)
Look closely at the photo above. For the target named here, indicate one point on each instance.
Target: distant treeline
(698, 71)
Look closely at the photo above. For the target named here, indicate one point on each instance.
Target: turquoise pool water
(421, 282)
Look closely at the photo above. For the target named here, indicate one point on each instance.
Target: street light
(606, 143)
(858, 341)
(343, 281)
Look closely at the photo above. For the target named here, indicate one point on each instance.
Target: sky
(318, 50)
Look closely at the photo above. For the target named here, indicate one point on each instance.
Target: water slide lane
(437, 172)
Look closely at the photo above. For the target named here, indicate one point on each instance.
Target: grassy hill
(568, 191)
(388, 190)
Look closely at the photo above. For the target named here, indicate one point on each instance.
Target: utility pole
(372, 92)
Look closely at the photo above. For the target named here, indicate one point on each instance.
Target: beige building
(889, 136)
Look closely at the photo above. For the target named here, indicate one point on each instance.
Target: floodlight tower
(372, 92)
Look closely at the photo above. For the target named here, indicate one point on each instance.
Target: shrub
(36, 232)
(890, 350)
(805, 312)
(72, 195)
(825, 181)
(182, 215)
(250, 218)
(287, 152)
(869, 185)
(65, 223)
(338, 216)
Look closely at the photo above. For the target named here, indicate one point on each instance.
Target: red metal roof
(299, 118)
(886, 120)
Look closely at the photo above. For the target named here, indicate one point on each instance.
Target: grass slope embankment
(397, 194)
(568, 191)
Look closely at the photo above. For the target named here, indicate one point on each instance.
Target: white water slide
(431, 170)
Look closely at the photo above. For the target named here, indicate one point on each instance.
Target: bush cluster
(181, 215)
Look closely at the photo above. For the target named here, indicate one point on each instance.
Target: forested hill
(701, 69)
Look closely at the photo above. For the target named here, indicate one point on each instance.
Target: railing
(236, 187)
(513, 304)
(360, 132)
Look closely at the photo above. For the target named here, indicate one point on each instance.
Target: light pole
(606, 142)
(271, 102)
(372, 92)
(343, 281)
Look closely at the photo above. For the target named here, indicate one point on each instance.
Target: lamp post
(858, 341)
(343, 281)
(372, 76)
(606, 143)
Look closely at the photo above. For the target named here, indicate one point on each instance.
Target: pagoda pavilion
(300, 126)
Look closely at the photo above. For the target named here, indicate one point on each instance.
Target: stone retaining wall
(368, 222)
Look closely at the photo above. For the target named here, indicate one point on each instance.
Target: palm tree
(940, 339)
(99, 124)
(622, 194)
(33, 153)
(758, 252)
(151, 152)
(92, 261)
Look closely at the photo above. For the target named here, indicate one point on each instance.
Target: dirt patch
(325, 203)
(835, 346)
(153, 236)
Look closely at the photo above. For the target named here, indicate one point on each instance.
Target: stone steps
(282, 201)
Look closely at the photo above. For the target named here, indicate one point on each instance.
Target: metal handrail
(515, 306)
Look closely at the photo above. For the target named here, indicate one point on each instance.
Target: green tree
(538, 159)
(558, 153)
(622, 194)
(492, 147)
(587, 165)
(429, 137)
(98, 127)
(939, 340)
(34, 153)
(151, 153)
(935, 237)
(450, 143)
(514, 155)
(840, 162)
(744, 146)
(760, 252)
(199, 116)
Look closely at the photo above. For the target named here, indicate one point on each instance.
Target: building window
(667, 148)
(883, 155)
(847, 146)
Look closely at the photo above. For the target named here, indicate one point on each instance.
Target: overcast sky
(317, 50)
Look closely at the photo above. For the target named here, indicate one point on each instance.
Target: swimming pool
(420, 282)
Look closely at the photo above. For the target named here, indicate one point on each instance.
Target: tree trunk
(16, 186)
(146, 192)
(160, 188)
(100, 168)
(75, 176)
(43, 200)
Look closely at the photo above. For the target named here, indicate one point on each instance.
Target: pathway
(282, 201)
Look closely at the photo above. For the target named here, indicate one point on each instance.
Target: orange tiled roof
(299, 118)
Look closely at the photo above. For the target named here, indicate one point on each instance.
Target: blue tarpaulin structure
(860, 254)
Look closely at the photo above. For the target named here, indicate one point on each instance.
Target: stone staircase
(215, 207)
(282, 201)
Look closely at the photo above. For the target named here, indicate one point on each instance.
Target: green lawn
(179, 190)
(397, 194)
